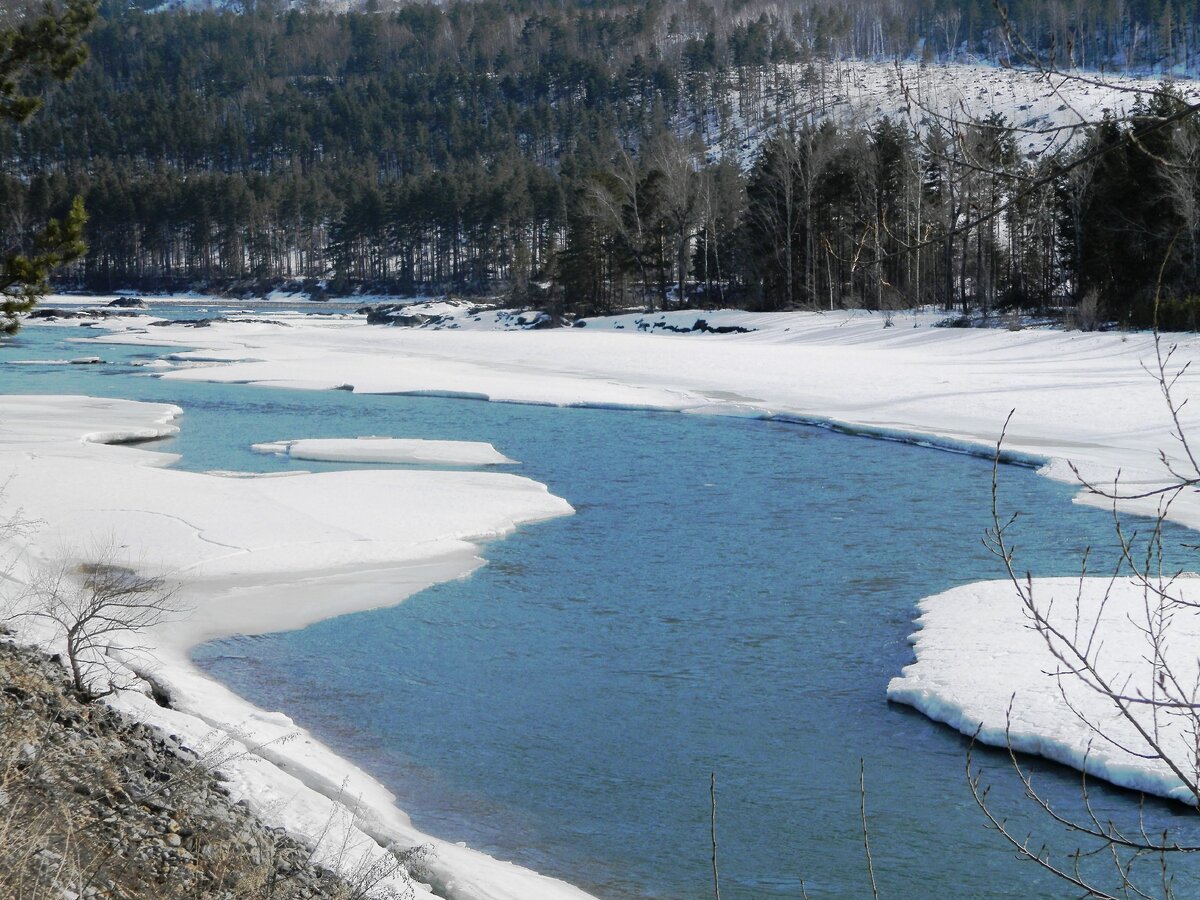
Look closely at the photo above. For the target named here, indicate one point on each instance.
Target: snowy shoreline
(249, 556)
(1077, 396)
(1080, 397)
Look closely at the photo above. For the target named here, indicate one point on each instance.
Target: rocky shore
(95, 805)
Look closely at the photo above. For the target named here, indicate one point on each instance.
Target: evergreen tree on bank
(34, 47)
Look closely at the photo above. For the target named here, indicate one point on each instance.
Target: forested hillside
(593, 154)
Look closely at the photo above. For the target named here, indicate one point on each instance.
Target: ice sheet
(977, 653)
(388, 450)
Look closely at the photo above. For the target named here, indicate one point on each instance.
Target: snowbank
(388, 450)
(910, 91)
(252, 555)
(977, 652)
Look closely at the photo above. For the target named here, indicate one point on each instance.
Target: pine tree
(47, 45)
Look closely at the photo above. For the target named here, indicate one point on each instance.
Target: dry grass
(93, 805)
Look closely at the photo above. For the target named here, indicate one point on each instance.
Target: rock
(51, 312)
(139, 796)
(702, 325)
(535, 320)
(396, 314)
(129, 303)
(54, 312)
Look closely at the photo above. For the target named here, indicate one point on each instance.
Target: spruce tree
(47, 45)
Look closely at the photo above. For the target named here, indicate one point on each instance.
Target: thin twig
(862, 805)
(712, 829)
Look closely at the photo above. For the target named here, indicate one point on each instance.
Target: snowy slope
(240, 5)
(1045, 108)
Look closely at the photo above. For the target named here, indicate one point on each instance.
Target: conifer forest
(589, 156)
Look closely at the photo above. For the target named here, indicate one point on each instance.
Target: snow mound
(388, 450)
(977, 652)
(437, 315)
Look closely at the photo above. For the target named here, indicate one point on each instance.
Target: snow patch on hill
(1049, 110)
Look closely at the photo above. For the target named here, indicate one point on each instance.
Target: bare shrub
(93, 603)
(1151, 706)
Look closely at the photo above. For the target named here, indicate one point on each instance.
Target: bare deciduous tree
(1150, 707)
(90, 605)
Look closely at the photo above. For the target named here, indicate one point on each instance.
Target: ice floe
(387, 450)
(982, 665)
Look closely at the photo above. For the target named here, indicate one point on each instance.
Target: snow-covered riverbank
(252, 555)
(1086, 399)
(1080, 397)
(1077, 396)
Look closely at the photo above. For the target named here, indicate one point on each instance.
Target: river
(731, 597)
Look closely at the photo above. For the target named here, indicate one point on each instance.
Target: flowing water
(731, 597)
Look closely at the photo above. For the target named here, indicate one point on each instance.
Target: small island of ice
(982, 664)
(388, 450)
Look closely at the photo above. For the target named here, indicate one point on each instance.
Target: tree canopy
(583, 155)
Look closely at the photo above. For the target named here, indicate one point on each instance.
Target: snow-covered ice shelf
(978, 652)
(252, 555)
(388, 450)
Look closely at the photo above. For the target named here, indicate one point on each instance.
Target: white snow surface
(1049, 110)
(251, 555)
(1077, 398)
(388, 450)
(977, 652)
